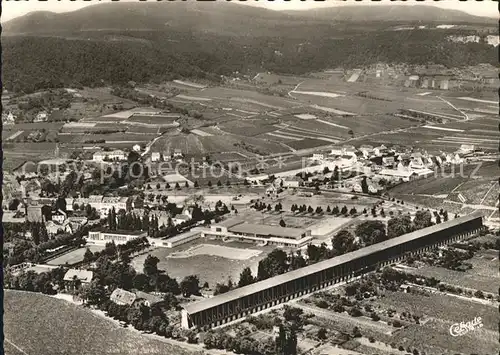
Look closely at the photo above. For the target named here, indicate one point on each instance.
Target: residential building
(180, 218)
(177, 154)
(136, 148)
(54, 227)
(72, 276)
(366, 150)
(40, 117)
(466, 148)
(122, 297)
(380, 150)
(318, 157)
(118, 237)
(155, 156)
(388, 160)
(8, 119)
(59, 216)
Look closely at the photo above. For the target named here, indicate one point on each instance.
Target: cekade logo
(462, 328)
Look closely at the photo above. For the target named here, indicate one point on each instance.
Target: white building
(155, 156)
(41, 117)
(366, 150)
(59, 216)
(136, 148)
(466, 148)
(378, 151)
(115, 155)
(318, 157)
(182, 239)
(8, 119)
(117, 237)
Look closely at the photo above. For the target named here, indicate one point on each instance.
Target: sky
(12, 9)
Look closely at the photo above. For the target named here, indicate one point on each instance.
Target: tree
(186, 185)
(344, 210)
(209, 184)
(322, 334)
(343, 242)
(399, 225)
(88, 256)
(371, 232)
(151, 266)
(269, 208)
(282, 223)
(438, 219)
(422, 219)
(93, 294)
(310, 209)
(190, 285)
(196, 185)
(275, 263)
(328, 209)
(246, 277)
(364, 185)
(177, 186)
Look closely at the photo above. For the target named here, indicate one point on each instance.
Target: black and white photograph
(250, 177)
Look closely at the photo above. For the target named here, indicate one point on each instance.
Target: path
(454, 107)
(487, 193)
(15, 346)
(295, 88)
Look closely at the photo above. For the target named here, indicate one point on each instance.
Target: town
(346, 211)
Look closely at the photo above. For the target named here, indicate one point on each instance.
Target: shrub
(322, 333)
(396, 324)
(355, 312)
(371, 339)
(375, 317)
(401, 348)
(322, 304)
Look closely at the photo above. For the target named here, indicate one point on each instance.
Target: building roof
(122, 296)
(82, 275)
(322, 265)
(396, 172)
(228, 223)
(152, 299)
(278, 231)
(182, 236)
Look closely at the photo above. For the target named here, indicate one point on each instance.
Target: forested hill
(220, 17)
(118, 42)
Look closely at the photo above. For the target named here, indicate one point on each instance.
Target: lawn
(42, 325)
(74, 256)
(443, 311)
(211, 269)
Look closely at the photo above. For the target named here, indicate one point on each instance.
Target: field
(42, 325)
(217, 251)
(74, 256)
(483, 275)
(211, 269)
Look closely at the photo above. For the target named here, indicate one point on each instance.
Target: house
(8, 119)
(388, 160)
(366, 150)
(292, 182)
(180, 218)
(40, 117)
(349, 150)
(155, 156)
(54, 227)
(337, 151)
(466, 148)
(346, 161)
(380, 150)
(177, 154)
(417, 163)
(122, 297)
(59, 216)
(147, 299)
(73, 277)
(318, 157)
(188, 211)
(398, 174)
(136, 148)
(135, 299)
(115, 155)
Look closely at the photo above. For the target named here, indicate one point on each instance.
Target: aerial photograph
(258, 178)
